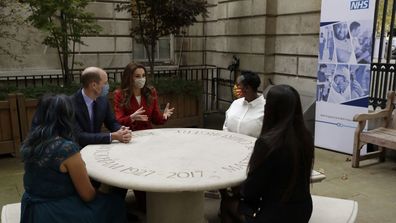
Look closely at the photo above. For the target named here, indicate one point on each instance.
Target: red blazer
(153, 112)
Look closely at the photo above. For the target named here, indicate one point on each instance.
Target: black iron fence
(384, 53)
(217, 83)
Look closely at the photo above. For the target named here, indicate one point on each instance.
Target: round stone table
(175, 166)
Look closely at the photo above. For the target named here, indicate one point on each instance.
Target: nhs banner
(362, 4)
(343, 71)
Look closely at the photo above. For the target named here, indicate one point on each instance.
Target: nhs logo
(359, 4)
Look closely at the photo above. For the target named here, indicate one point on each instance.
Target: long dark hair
(284, 129)
(54, 118)
(127, 84)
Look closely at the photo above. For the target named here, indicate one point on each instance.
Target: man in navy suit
(92, 110)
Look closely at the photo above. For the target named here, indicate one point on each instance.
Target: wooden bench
(325, 210)
(383, 136)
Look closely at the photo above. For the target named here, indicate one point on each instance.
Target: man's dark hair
(339, 76)
(354, 25)
(89, 77)
(322, 66)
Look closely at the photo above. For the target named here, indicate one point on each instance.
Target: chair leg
(356, 154)
(383, 153)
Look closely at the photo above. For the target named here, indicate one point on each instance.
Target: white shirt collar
(88, 100)
(255, 102)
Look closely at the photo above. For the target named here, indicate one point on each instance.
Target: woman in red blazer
(136, 103)
(136, 106)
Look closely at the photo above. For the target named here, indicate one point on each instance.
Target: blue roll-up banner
(343, 76)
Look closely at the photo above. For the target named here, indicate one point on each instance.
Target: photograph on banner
(325, 72)
(351, 42)
(340, 90)
(333, 81)
(326, 44)
(360, 32)
(342, 42)
(360, 81)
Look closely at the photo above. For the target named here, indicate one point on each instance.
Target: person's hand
(237, 91)
(357, 88)
(138, 115)
(123, 135)
(168, 111)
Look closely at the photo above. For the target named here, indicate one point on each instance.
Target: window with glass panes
(163, 52)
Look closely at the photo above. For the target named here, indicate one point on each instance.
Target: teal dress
(50, 195)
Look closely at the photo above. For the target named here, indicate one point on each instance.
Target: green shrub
(38, 91)
(5, 90)
(174, 86)
(164, 86)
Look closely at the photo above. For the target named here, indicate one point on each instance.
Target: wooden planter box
(9, 126)
(188, 111)
(26, 109)
(16, 116)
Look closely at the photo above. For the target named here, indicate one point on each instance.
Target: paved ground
(373, 185)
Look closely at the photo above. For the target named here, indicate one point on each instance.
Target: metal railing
(383, 65)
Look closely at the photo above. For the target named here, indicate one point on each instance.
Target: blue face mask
(105, 90)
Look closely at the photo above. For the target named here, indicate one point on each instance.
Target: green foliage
(64, 22)
(11, 19)
(164, 86)
(4, 90)
(161, 18)
(175, 86)
(38, 91)
(388, 17)
(113, 86)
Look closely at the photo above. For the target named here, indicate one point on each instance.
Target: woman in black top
(277, 188)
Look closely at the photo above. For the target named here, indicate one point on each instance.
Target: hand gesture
(237, 91)
(138, 115)
(168, 111)
(123, 135)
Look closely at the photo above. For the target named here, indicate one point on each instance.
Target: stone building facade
(276, 38)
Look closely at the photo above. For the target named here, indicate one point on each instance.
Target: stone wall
(232, 28)
(296, 43)
(276, 38)
(112, 47)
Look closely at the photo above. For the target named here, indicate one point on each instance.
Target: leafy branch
(153, 19)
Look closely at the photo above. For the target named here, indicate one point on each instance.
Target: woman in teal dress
(57, 186)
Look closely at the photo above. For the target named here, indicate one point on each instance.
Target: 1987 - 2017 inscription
(102, 157)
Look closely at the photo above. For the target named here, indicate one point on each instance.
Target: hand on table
(168, 111)
(123, 135)
(138, 115)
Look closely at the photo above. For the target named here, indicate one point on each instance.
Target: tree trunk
(152, 62)
(65, 50)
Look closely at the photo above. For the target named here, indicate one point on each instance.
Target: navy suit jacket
(102, 115)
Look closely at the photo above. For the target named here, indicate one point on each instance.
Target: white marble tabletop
(174, 159)
(170, 160)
